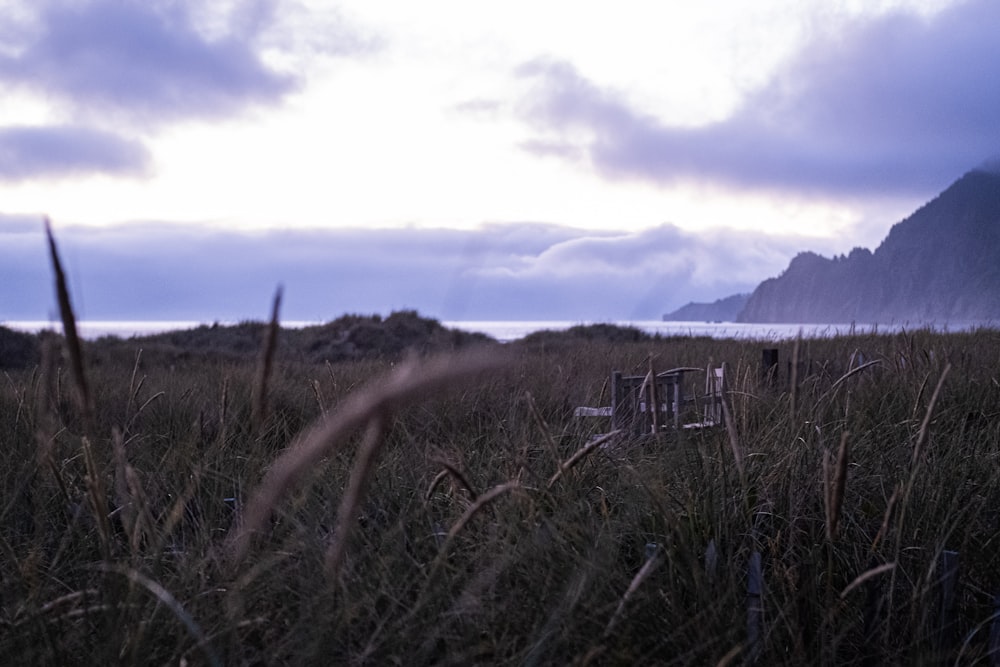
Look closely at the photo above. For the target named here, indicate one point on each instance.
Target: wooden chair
(648, 404)
(645, 404)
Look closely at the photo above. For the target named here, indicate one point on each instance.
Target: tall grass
(449, 510)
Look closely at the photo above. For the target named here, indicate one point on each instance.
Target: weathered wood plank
(604, 411)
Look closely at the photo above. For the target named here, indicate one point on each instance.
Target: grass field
(385, 491)
(197, 509)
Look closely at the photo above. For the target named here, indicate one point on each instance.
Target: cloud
(294, 28)
(32, 152)
(503, 271)
(140, 59)
(896, 105)
(109, 64)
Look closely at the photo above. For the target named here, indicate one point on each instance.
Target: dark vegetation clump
(358, 337)
(610, 333)
(347, 338)
(17, 349)
(446, 509)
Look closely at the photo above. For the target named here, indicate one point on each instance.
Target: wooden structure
(711, 406)
(644, 404)
(647, 404)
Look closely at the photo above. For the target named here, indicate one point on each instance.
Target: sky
(520, 160)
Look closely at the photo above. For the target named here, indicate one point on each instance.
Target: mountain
(939, 265)
(722, 310)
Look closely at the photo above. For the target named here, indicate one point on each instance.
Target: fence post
(617, 409)
(712, 562)
(769, 366)
(653, 402)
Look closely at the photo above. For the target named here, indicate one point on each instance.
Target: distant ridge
(721, 310)
(940, 265)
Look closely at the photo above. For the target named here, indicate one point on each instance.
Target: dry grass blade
(133, 388)
(474, 508)
(130, 496)
(914, 468)
(69, 328)
(411, 382)
(543, 426)
(890, 508)
(69, 598)
(467, 516)
(920, 395)
(46, 418)
(145, 404)
(835, 491)
(865, 576)
(854, 371)
(470, 512)
(176, 513)
(734, 440)
(314, 385)
(825, 469)
(164, 596)
(581, 454)
(843, 378)
(793, 378)
(64, 606)
(925, 424)
(266, 363)
(348, 510)
(122, 495)
(730, 656)
(637, 580)
(459, 476)
(438, 478)
(98, 499)
(224, 413)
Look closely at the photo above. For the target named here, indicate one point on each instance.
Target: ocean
(501, 330)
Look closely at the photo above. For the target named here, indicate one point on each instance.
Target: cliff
(941, 264)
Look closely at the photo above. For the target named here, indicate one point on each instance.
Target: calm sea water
(501, 330)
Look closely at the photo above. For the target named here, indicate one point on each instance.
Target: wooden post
(653, 404)
(711, 561)
(617, 409)
(755, 608)
(769, 366)
(678, 399)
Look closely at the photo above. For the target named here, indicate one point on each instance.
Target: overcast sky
(506, 160)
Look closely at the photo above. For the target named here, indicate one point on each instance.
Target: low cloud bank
(149, 271)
